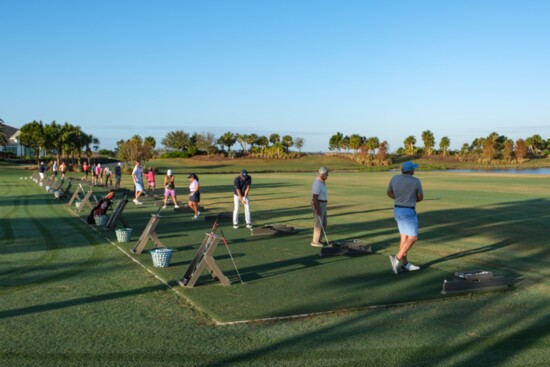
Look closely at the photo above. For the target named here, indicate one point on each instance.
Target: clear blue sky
(309, 69)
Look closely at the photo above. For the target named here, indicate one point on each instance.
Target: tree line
(70, 141)
(180, 144)
(62, 140)
(487, 149)
(273, 146)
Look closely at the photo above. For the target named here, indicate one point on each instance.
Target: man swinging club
(406, 190)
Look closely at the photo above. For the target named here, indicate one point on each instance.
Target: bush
(176, 155)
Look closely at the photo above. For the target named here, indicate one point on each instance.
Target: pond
(527, 171)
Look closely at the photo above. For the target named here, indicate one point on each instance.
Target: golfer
(137, 176)
(241, 188)
(42, 168)
(194, 194)
(170, 189)
(118, 175)
(319, 205)
(406, 190)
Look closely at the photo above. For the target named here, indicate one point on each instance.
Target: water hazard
(527, 171)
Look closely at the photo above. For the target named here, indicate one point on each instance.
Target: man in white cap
(319, 194)
(241, 188)
(406, 191)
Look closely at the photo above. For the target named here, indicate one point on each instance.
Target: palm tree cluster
(63, 141)
(249, 143)
(356, 143)
(492, 147)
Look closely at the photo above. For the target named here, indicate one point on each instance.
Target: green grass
(69, 297)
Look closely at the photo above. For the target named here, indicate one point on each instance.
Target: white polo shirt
(319, 188)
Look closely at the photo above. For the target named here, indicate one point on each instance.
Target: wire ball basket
(123, 234)
(100, 220)
(161, 257)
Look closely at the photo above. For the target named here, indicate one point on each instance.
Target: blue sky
(309, 69)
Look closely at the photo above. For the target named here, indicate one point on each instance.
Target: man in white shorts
(137, 175)
(406, 190)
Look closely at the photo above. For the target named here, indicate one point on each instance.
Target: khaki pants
(318, 220)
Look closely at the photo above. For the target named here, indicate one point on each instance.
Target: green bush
(176, 155)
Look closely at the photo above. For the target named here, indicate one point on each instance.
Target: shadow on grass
(79, 301)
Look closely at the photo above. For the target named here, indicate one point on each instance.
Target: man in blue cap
(406, 190)
(241, 188)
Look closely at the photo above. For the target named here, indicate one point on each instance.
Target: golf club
(324, 232)
(231, 256)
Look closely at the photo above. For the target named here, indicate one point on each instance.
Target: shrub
(176, 155)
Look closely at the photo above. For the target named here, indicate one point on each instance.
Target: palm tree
(242, 139)
(335, 141)
(444, 145)
(274, 139)
(151, 141)
(372, 143)
(508, 150)
(355, 142)
(227, 140)
(299, 143)
(263, 142)
(252, 139)
(287, 142)
(383, 150)
(409, 143)
(429, 141)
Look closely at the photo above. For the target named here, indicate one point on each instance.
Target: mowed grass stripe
(50, 222)
(11, 206)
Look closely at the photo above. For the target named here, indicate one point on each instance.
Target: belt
(406, 207)
(322, 201)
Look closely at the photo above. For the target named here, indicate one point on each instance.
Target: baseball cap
(244, 172)
(408, 166)
(169, 172)
(190, 175)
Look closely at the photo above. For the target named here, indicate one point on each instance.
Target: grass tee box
(285, 277)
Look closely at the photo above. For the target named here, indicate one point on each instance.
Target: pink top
(150, 176)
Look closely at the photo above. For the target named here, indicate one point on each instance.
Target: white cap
(169, 173)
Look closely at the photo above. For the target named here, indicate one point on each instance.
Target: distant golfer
(241, 188)
(170, 189)
(42, 168)
(319, 205)
(406, 190)
(118, 174)
(137, 176)
(194, 194)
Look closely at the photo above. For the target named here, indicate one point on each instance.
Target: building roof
(11, 132)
